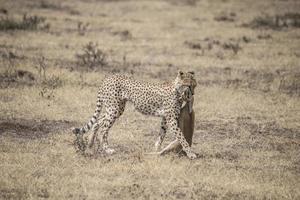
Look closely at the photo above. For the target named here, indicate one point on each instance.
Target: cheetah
(161, 100)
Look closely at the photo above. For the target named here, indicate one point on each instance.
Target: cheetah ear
(180, 73)
(192, 73)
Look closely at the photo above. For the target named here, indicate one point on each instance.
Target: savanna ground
(246, 57)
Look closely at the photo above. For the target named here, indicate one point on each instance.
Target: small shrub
(27, 23)
(91, 57)
(48, 87)
(82, 28)
(16, 78)
(264, 36)
(292, 19)
(25, 75)
(235, 47)
(48, 5)
(10, 64)
(290, 84)
(183, 2)
(246, 39)
(9, 55)
(46, 93)
(12, 76)
(225, 17)
(260, 21)
(124, 35)
(276, 22)
(193, 44)
(74, 12)
(3, 11)
(41, 68)
(53, 82)
(55, 6)
(208, 44)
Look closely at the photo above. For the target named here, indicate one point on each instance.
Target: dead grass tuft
(264, 36)
(290, 84)
(32, 129)
(210, 44)
(183, 2)
(13, 194)
(91, 57)
(224, 17)
(276, 22)
(54, 6)
(82, 28)
(27, 23)
(235, 47)
(124, 35)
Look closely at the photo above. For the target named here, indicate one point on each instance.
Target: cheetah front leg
(162, 134)
(173, 126)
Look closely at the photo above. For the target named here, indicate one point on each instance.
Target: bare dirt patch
(245, 133)
(17, 78)
(13, 194)
(32, 129)
(231, 128)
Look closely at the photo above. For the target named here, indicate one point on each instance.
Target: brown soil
(32, 129)
(13, 194)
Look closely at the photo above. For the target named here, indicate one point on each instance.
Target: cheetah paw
(191, 155)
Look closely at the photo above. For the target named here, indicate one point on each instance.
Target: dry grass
(247, 100)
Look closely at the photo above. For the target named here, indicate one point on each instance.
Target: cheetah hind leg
(101, 137)
(107, 122)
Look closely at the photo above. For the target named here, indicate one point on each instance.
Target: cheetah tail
(89, 125)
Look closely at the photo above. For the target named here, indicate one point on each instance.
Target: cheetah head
(185, 81)
(185, 84)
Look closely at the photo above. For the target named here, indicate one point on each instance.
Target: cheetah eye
(180, 73)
